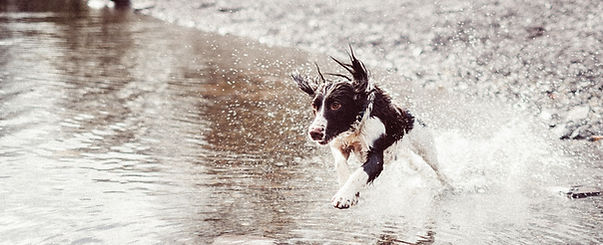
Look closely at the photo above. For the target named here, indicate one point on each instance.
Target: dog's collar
(366, 108)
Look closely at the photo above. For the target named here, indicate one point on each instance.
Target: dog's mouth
(324, 141)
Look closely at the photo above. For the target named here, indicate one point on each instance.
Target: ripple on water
(115, 128)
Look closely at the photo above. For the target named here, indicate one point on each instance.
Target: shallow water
(118, 128)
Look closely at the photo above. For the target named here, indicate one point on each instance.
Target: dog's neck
(366, 110)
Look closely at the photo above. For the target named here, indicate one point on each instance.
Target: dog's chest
(352, 144)
(360, 141)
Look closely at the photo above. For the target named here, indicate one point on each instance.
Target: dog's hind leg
(422, 144)
(432, 160)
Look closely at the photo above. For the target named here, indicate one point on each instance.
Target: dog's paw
(345, 200)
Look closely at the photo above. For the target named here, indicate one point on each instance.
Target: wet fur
(366, 123)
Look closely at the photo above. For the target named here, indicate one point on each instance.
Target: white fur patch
(341, 166)
(320, 121)
(372, 129)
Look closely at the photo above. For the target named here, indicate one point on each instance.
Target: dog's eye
(335, 106)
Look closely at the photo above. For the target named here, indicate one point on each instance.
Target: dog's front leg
(348, 194)
(341, 164)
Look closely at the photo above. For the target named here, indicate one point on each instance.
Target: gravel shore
(542, 55)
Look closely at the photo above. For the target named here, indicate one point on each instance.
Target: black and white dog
(353, 116)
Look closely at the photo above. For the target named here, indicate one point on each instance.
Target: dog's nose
(317, 133)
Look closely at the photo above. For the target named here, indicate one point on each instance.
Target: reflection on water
(117, 128)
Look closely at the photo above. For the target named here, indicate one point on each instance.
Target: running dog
(354, 116)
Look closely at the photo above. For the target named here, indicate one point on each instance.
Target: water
(116, 128)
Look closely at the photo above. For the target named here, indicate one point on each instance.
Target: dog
(355, 117)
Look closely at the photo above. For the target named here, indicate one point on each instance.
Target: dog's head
(338, 103)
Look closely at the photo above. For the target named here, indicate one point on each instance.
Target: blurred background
(544, 55)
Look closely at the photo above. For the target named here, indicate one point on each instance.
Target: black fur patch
(397, 121)
(340, 120)
(373, 165)
(357, 69)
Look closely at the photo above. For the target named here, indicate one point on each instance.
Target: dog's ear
(358, 70)
(359, 73)
(308, 86)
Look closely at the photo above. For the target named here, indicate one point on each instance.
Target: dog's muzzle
(317, 134)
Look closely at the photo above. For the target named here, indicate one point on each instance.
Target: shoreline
(541, 56)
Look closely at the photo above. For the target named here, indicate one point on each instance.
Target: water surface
(117, 128)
